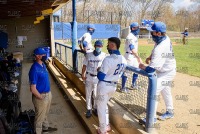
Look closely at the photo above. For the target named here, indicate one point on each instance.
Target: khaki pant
(184, 42)
(41, 111)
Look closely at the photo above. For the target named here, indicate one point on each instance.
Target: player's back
(115, 65)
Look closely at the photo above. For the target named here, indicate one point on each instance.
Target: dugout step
(77, 101)
(122, 121)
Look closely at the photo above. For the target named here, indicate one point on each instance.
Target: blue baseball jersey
(38, 75)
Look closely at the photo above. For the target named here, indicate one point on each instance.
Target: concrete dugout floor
(61, 114)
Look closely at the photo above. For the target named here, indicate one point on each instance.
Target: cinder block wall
(37, 35)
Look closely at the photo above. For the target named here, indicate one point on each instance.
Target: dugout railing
(140, 101)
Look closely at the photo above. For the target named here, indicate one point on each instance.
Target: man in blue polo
(40, 89)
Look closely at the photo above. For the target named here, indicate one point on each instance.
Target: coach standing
(162, 59)
(40, 88)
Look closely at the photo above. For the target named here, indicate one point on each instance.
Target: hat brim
(150, 29)
(41, 53)
(98, 45)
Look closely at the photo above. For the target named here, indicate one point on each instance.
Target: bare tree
(144, 5)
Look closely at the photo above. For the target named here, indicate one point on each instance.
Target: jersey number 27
(120, 68)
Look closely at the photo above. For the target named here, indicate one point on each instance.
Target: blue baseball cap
(39, 51)
(90, 26)
(158, 27)
(98, 43)
(134, 24)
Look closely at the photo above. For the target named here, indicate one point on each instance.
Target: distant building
(144, 33)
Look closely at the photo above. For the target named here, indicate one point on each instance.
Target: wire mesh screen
(80, 58)
(136, 99)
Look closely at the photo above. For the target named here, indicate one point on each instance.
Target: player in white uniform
(110, 72)
(85, 42)
(131, 55)
(91, 63)
(162, 59)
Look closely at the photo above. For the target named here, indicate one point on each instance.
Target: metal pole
(74, 35)
(151, 100)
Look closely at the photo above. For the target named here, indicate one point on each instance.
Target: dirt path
(186, 98)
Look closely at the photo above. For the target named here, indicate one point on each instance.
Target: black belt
(93, 75)
(44, 92)
(129, 53)
(111, 82)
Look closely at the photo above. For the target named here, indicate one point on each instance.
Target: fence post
(60, 51)
(151, 99)
(74, 34)
(65, 54)
(55, 49)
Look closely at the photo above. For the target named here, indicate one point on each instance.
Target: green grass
(187, 56)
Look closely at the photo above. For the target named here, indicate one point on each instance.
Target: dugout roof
(24, 8)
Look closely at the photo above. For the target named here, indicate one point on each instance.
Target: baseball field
(187, 56)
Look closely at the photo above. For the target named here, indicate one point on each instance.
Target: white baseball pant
(164, 85)
(89, 87)
(104, 92)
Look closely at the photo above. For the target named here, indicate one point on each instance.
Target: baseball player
(111, 70)
(85, 42)
(131, 55)
(91, 63)
(185, 34)
(163, 61)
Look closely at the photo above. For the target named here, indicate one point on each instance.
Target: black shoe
(95, 112)
(88, 114)
(50, 129)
